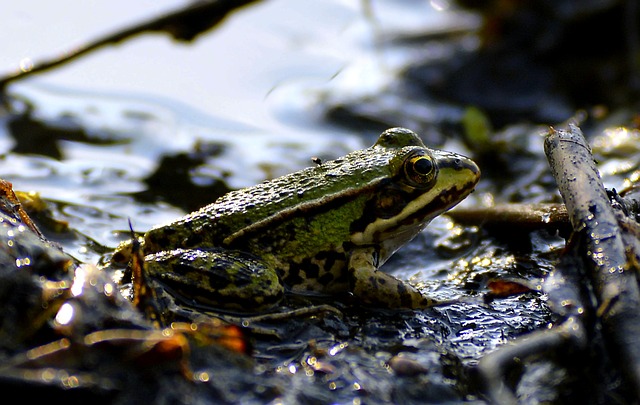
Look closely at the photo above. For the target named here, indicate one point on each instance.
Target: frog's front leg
(377, 288)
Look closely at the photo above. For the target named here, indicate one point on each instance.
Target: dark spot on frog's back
(155, 239)
(193, 239)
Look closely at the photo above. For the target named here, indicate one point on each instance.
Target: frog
(323, 231)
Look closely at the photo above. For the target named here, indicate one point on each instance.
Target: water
(243, 103)
(251, 87)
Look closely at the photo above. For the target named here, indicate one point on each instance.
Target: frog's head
(418, 184)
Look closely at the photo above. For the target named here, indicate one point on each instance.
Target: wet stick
(182, 24)
(521, 215)
(604, 253)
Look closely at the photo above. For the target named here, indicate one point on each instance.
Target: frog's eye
(420, 169)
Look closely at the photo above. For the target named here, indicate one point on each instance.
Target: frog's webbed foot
(377, 288)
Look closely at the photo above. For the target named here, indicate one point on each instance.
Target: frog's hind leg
(376, 288)
(218, 278)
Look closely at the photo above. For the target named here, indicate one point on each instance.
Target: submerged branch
(183, 24)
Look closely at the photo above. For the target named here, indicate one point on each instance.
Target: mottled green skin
(327, 228)
(227, 279)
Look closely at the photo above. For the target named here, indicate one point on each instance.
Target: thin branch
(183, 24)
(523, 216)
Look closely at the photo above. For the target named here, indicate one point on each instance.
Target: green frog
(323, 230)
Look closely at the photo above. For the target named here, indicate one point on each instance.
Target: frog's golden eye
(420, 169)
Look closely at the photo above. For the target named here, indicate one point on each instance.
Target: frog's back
(268, 202)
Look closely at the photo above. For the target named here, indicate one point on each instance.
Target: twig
(10, 205)
(569, 302)
(569, 335)
(527, 216)
(183, 24)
